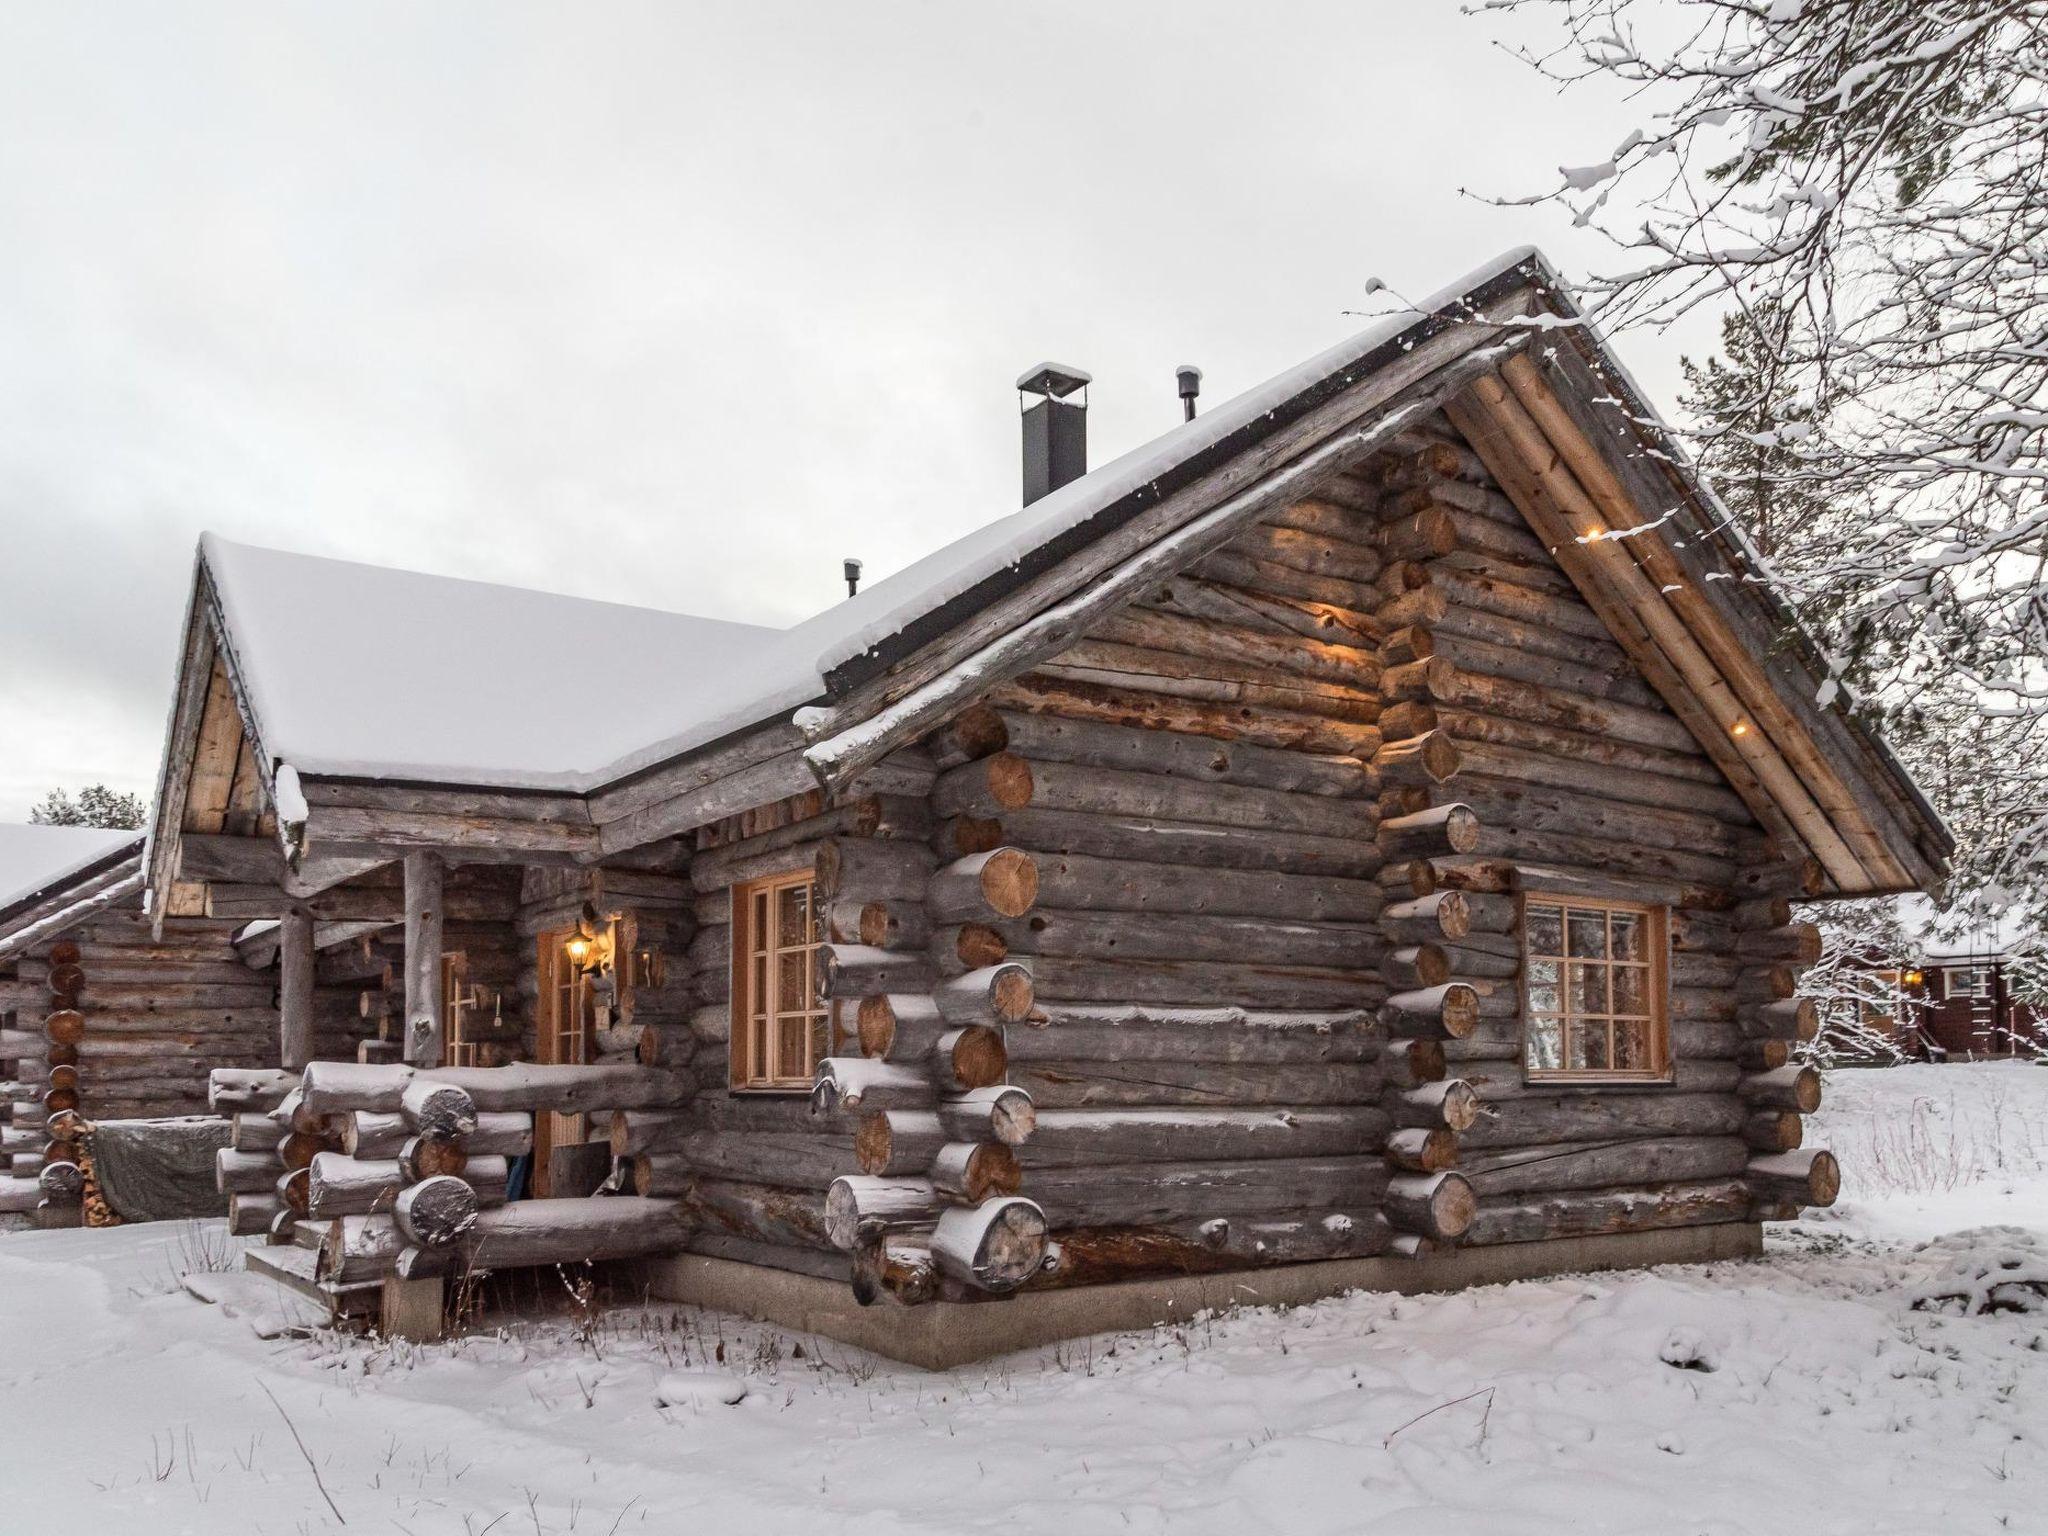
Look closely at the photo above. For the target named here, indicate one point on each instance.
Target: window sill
(1601, 1079)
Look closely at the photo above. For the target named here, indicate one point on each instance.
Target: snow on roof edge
(29, 873)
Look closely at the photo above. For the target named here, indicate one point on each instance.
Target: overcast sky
(672, 305)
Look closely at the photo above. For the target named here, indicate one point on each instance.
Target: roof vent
(1189, 377)
(1055, 428)
(850, 569)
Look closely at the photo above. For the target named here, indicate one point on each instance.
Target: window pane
(1543, 973)
(1587, 934)
(1543, 1000)
(1588, 1046)
(1632, 1046)
(793, 916)
(791, 992)
(1546, 933)
(1631, 935)
(1546, 1044)
(757, 929)
(757, 1039)
(1586, 991)
(792, 1038)
(757, 999)
(1632, 989)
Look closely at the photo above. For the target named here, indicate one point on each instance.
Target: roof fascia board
(1772, 636)
(116, 884)
(174, 774)
(31, 905)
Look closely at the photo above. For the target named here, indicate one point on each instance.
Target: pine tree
(96, 806)
(1750, 426)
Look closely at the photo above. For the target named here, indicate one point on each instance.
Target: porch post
(423, 1022)
(295, 989)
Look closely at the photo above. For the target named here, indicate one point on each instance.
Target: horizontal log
(1197, 982)
(1141, 703)
(995, 1246)
(980, 887)
(1098, 744)
(997, 786)
(1158, 840)
(1135, 1032)
(337, 1087)
(1594, 1116)
(1597, 1165)
(1439, 1206)
(1197, 1245)
(1160, 1192)
(1774, 1130)
(1083, 1084)
(1091, 1137)
(1098, 935)
(1809, 1178)
(860, 1209)
(251, 1212)
(1440, 831)
(1597, 1212)
(1790, 1087)
(872, 869)
(1449, 1011)
(1076, 882)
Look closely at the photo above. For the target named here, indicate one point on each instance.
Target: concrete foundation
(941, 1334)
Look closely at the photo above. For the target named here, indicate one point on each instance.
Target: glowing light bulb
(1739, 728)
(578, 948)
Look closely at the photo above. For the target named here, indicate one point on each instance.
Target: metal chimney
(1189, 377)
(850, 569)
(1055, 428)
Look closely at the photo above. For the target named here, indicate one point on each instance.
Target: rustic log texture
(995, 1246)
(339, 1087)
(1808, 1178)
(1595, 1212)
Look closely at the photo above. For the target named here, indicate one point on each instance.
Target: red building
(1962, 981)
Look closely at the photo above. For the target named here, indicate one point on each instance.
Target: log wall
(1195, 780)
(1581, 779)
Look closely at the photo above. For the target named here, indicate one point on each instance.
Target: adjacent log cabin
(65, 893)
(1358, 828)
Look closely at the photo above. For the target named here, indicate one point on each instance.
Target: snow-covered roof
(1934, 936)
(359, 670)
(362, 670)
(36, 859)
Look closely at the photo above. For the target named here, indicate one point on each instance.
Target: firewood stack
(259, 1103)
(405, 1171)
(934, 1207)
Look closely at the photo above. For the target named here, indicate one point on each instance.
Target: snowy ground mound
(1861, 1379)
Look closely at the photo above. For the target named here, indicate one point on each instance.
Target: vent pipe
(1189, 377)
(850, 569)
(1055, 427)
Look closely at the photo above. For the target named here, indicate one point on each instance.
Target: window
(778, 1023)
(1593, 989)
(1972, 981)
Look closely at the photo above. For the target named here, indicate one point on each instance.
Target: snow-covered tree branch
(1860, 189)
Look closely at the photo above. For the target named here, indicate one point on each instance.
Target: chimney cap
(1055, 379)
(1189, 377)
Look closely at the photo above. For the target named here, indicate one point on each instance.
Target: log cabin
(1347, 841)
(52, 881)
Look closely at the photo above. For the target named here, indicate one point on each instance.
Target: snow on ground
(1802, 1393)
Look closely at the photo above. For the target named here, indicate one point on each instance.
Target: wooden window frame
(816, 1014)
(1986, 979)
(1657, 920)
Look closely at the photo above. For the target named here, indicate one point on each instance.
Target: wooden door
(567, 1017)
